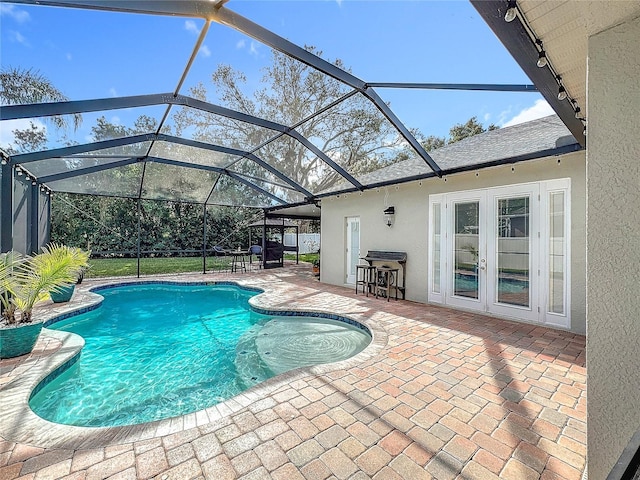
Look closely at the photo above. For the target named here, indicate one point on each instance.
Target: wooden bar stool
(389, 282)
(366, 276)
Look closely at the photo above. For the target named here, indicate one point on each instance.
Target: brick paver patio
(443, 394)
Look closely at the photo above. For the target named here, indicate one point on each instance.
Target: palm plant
(19, 86)
(11, 274)
(32, 280)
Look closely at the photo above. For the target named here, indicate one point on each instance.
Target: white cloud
(486, 117)
(12, 11)
(539, 109)
(7, 138)
(253, 49)
(205, 51)
(113, 92)
(68, 56)
(190, 26)
(18, 37)
(115, 120)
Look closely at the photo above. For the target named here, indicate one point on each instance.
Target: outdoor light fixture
(562, 93)
(542, 59)
(511, 13)
(19, 171)
(389, 214)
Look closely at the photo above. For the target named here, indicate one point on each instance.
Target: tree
(353, 133)
(28, 140)
(432, 142)
(19, 86)
(468, 129)
(458, 132)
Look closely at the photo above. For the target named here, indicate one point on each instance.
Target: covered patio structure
(504, 400)
(271, 232)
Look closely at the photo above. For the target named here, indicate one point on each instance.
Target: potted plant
(76, 259)
(10, 274)
(24, 281)
(316, 267)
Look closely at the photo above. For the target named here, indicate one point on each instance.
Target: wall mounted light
(389, 215)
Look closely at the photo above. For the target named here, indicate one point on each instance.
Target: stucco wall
(613, 245)
(410, 231)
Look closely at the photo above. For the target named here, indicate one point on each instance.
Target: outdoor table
(237, 260)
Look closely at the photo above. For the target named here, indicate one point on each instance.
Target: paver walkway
(448, 395)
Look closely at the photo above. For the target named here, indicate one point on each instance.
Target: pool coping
(20, 424)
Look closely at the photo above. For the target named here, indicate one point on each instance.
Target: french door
(353, 248)
(502, 251)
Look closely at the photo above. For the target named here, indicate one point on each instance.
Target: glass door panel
(513, 242)
(466, 247)
(436, 243)
(557, 246)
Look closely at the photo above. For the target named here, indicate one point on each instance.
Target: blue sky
(93, 54)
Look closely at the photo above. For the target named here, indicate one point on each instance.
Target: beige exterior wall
(410, 231)
(613, 245)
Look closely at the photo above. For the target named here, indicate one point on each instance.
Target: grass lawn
(111, 267)
(304, 257)
(116, 267)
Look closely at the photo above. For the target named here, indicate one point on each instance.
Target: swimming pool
(156, 351)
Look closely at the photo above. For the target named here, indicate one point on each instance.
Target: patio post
(204, 238)
(138, 245)
(6, 208)
(34, 210)
(264, 239)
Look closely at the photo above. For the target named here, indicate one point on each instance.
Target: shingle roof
(524, 139)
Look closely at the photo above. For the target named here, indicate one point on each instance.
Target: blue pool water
(469, 283)
(156, 351)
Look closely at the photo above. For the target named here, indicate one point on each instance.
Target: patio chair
(218, 251)
(257, 251)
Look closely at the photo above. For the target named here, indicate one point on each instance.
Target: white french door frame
(470, 197)
(352, 250)
(530, 312)
(541, 268)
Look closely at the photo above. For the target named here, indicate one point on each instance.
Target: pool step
(250, 368)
